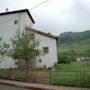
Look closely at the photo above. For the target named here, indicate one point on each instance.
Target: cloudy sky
(55, 16)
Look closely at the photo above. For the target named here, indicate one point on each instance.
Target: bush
(64, 59)
(56, 65)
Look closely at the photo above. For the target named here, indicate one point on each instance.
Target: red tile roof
(23, 10)
(45, 34)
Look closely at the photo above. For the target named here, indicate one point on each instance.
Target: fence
(74, 78)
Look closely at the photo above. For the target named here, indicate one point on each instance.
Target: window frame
(45, 50)
(15, 21)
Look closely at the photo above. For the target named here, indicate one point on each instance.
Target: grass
(76, 73)
(74, 66)
(67, 78)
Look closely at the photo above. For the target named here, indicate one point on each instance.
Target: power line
(38, 5)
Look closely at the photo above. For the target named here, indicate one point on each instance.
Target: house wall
(8, 29)
(7, 63)
(82, 58)
(7, 26)
(50, 58)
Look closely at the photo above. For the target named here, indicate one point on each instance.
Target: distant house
(82, 58)
(11, 21)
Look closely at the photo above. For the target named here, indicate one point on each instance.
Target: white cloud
(86, 0)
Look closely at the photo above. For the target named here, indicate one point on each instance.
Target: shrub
(64, 59)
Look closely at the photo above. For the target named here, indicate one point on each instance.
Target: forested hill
(67, 37)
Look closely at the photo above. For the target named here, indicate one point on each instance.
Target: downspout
(19, 62)
(19, 22)
(57, 47)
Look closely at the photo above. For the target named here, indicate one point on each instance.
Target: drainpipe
(19, 22)
(57, 47)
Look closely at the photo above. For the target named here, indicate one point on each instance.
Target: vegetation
(4, 49)
(74, 44)
(64, 59)
(24, 46)
(75, 48)
(75, 66)
(67, 37)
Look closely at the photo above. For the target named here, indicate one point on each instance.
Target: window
(16, 63)
(44, 66)
(40, 60)
(16, 22)
(45, 50)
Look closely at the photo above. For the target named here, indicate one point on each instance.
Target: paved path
(39, 86)
(6, 87)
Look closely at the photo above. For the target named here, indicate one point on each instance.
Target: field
(75, 66)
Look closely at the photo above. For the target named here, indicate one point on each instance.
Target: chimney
(49, 33)
(6, 9)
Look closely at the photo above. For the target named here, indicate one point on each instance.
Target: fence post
(83, 78)
(81, 74)
(50, 77)
(9, 74)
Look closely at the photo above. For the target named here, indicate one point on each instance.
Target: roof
(45, 34)
(23, 10)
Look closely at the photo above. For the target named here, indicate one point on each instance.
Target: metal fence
(74, 78)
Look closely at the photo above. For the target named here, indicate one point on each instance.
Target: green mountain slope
(76, 43)
(67, 37)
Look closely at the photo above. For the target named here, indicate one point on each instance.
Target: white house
(82, 58)
(10, 21)
(48, 48)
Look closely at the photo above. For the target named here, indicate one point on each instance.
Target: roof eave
(23, 10)
(45, 34)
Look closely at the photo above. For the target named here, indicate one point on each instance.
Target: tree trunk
(20, 64)
(27, 69)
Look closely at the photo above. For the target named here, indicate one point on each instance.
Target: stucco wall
(7, 63)
(7, 26)
(50, 58)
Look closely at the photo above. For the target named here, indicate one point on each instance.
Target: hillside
(67, 37)
(76, 43)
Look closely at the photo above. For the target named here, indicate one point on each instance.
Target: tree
(63, 59)
(24, 46)
(4, 48)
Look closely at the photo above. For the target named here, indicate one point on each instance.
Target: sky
(54, 16)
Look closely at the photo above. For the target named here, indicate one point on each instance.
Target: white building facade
(17, 20)
(48, 49)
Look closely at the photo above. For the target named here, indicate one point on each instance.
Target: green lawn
(74, 66)
(76, 73)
